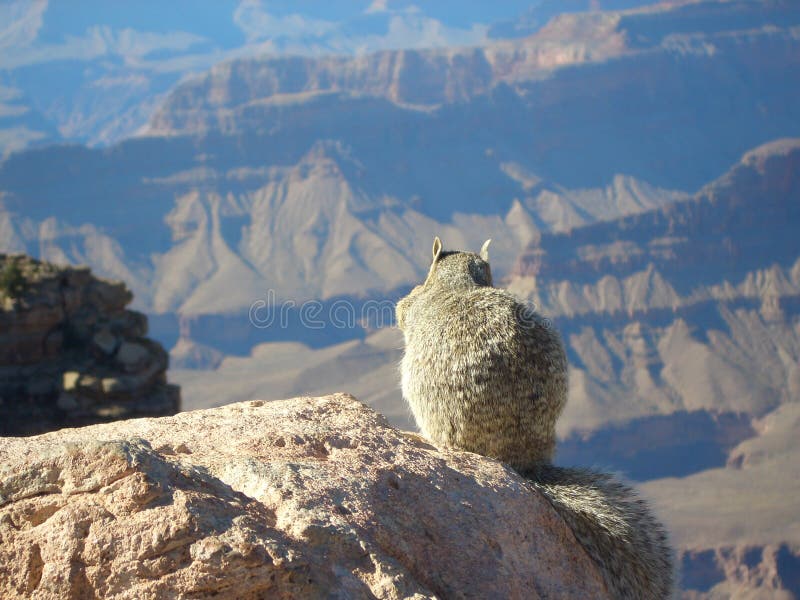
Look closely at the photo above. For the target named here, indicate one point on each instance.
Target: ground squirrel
(483, 372)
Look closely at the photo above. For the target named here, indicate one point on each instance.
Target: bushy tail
(615, 527)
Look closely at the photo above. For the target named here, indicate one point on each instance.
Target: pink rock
(303, 498)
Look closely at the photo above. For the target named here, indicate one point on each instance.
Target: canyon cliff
(71, 353)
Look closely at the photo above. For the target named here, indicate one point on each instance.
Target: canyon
(636, 170)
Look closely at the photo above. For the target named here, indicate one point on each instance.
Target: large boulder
(303, 498)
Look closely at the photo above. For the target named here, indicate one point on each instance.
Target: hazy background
(637, 165)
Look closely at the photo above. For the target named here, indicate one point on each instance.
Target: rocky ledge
(71, 354)
(303, 498)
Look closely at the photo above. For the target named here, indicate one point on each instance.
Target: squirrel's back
(482, 372)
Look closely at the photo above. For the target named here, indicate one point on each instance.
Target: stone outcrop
(71, 354)
(303, 498)
(686, 244)
(242, 95)
(756, 571)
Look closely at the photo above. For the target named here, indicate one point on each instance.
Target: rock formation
(683, 328)
(764, 570)
(71, 354)
(303, 498)
(271, 145)
(718, 233)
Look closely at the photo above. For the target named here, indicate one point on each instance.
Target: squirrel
(485, 373)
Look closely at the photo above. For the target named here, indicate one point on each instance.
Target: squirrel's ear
(437, 248)
(485, 250)
(437, 251)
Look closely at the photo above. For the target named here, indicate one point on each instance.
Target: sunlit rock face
(303, 498)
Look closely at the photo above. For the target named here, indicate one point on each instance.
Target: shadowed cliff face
(690, 307)
(71, 354)
(204, 240)
(771, 569)
(653, 447)
(718, 235)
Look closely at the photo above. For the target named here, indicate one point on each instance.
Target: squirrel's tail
(615, 527)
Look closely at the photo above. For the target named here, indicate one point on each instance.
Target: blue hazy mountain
(539, 13)
(93, 71)
(353, 162)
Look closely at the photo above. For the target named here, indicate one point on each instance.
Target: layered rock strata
(70, 352)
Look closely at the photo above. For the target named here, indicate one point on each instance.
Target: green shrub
(12, 281)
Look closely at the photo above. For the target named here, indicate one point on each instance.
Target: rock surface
(71, 354)
(303, 498)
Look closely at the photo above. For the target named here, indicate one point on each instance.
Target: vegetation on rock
(12, 280)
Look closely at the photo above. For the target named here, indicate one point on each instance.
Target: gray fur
(483, 373)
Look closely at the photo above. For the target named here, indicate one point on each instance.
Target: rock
(66, 402)
(70, 380)
(105, 341)
(130, 384)
(132, 356)
(188, 354)
(41, 386)
(741, 571)
(89, 383)
(71, 354)
(114, 384)
(303, 498)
